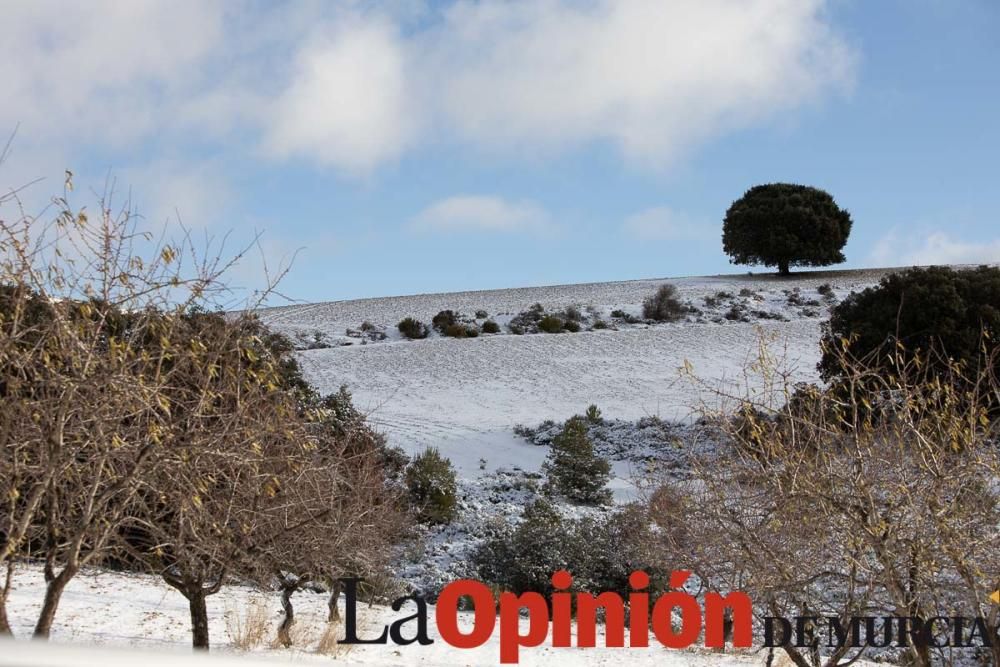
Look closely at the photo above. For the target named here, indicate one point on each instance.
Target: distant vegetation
(664, 306)
(412, 328)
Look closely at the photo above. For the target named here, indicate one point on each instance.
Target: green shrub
(444, 319)
(490, 327)
(573, 469)
(599, 552)
(456, 330)
(664, 306)
(572, 326)
(481, 314)
(472, 331)
(430, 481)
(934, 309)
(523, 558)
(550, 324)
(600, 324)
(412, 328)
(593, 415)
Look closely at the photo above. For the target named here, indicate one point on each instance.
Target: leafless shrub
(874, 497)
(248, 627)
(328, 643)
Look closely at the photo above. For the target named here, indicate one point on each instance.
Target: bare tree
(874, 497)
(81, 387)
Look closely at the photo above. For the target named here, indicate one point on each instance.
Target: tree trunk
(335, 591)
(199, 618)
(53, 593)
(783, 268)
(284, 630)
(5, 630)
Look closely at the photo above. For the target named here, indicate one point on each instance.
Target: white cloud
(663, 224)
(347, 104)
(932, 248)
(652, 77)
(104, 72)
(355, 85)
(481, 213)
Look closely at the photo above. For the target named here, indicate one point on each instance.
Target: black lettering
(351, 615)
(420, 616)
(786, 631)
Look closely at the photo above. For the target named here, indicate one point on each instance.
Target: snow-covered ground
(464, 395)
(114, 609)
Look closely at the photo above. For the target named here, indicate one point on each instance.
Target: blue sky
(405, 147)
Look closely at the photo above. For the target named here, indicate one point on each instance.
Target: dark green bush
(600, 552)
(490, 327)
(430, 480)
(412, 328)
(783, 225)
(664, 306)
(471, 331)
(444, 319)
(572, 326)
(481, 314)
(456, 330)
(593, 414)
(550, 324)
(573, 469)
(936, 309)
(600, 324)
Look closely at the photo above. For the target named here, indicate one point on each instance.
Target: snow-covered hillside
(464, 395)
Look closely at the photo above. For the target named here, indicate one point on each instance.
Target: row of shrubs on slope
(663, 306)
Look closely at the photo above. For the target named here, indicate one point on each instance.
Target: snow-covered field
(464, 395)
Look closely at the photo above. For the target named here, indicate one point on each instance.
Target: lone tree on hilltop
(784, 225)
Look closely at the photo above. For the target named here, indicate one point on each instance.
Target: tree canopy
(784, 225)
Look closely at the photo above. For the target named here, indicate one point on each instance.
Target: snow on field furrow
(442, 389)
